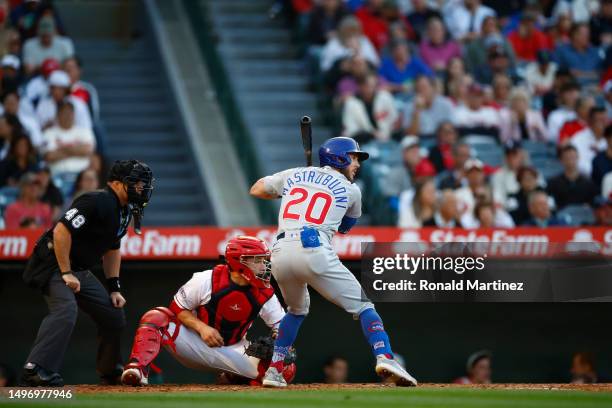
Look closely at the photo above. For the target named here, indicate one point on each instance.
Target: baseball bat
(306, 131)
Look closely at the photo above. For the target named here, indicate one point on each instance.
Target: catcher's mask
(137, 179)
(250, 257)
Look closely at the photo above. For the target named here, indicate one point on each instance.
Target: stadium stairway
(141, 121)
(269, 80)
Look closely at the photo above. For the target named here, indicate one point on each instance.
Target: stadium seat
(577, 215)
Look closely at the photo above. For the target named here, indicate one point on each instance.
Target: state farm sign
(153, 243)
(207, 243)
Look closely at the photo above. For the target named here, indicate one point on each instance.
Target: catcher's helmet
(335, 152)
(250, 257)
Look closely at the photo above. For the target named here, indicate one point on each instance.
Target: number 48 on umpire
(90, 231)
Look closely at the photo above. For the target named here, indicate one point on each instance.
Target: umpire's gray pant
(56, 328)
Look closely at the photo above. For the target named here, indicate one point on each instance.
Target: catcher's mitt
(263, 348)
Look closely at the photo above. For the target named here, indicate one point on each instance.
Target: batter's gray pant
(295, 267)
(56, 328)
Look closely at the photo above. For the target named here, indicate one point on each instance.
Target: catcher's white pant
(192, 352)
(295, 267)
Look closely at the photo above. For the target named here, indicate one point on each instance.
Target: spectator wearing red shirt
(527, 40)
(374, 25)
(72, 66)
(28, 211)
(571, 127)
(375, 17)
(441, 155)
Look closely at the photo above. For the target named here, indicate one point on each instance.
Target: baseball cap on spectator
(11, 61)
(493, 40)
(424, 169)
(60, 79)
(496, 51)
(48, 66)
(473, 164)
(524, 170)
(27, 179)
(46, 26)
(529, 16)
(475, 89)
(543, 56)
(42, 166)
(409, 142)
(476, 357)
(512, 146)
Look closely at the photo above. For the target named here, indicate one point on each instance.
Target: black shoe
(114, 378)
(36, 376)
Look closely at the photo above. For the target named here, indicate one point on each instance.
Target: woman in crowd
(520, 122)
(21, 159)
(436, 48)
(418, 206)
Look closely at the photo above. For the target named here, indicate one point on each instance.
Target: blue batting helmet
(335, 152)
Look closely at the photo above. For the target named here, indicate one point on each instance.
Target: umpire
(90, 231)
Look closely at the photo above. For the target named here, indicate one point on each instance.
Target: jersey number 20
(302, 195)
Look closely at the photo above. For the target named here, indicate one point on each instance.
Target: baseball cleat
(273, 378)
(134, 376)
(391, 369)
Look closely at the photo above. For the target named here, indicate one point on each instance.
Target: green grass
(370, 398)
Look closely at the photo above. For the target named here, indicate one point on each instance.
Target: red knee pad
(159, 317)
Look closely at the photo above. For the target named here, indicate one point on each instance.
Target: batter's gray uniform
(317, 197)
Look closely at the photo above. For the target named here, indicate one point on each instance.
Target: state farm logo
(350, 244)
(153, 243)
(13, 246)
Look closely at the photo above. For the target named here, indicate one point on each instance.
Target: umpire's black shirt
(97, 222)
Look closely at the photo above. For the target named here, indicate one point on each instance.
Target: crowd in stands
(50, 137)
(476, 113)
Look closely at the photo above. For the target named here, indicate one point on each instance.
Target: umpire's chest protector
(232, 308)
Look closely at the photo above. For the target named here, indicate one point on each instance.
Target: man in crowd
(571, 187)
(427, 110)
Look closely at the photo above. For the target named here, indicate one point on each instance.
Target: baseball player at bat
(317, 202)
(205, 327)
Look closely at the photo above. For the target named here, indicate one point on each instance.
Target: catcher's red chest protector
(232, 308)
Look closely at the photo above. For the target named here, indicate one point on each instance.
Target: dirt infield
(95, 389)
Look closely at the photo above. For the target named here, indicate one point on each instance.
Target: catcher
(205, 327)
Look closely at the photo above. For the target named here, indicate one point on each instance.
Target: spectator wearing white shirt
(46, 45)
(540, 74)
(68, 147)
(349, 41)
(11, 73)
(12, 106)
(59, 90)
(38, 87)
(568, 96)
(371, 113)
(465, 20)
(590, 141)
(503, 181)
(474, 117)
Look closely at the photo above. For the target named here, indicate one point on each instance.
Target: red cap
(48, 66)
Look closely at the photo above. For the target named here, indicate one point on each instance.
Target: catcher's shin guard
(148, 340)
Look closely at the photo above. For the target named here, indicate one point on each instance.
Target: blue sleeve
(346, 224)
(424, 68)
